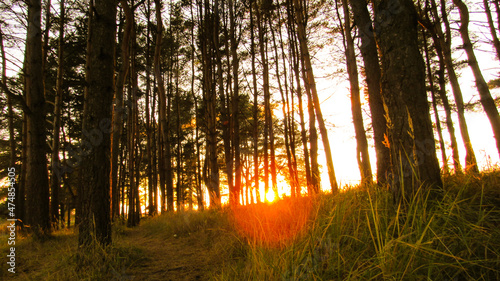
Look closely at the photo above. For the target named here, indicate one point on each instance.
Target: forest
(198, 140)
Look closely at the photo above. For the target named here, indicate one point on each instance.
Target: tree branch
(16, 97)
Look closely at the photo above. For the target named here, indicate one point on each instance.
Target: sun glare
(270, 196)
(274, 224)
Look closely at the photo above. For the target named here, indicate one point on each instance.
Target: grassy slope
(355, 235)
(361, 235)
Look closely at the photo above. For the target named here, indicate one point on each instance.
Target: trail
(183, 258)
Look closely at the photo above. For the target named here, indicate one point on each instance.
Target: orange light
(273, 225)
(270, 196)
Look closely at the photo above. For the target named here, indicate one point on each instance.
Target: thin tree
(442, 41)
(118, 109)
(55, 177)
(362, 155)
(482, 87)
(299, 5)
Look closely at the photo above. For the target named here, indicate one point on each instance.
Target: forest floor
(175, 258)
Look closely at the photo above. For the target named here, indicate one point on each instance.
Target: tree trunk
(268, 130)
(208, 28)
(199, 191)
(430, 77)
(449, 121)
(94, 195)
(37, 183)
(444, 42)
(255, 126)
(45, 42)
(311, 84)
(295, 66)
(235, 104)
(362, 155)
(119, 109)
(410, 137)
(482, 87)
(55, 177)
(372, 71)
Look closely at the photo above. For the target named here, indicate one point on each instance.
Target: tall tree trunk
(290, 163)
(362, 155)
(482, 87)
(180, 191)
(267, 111)
(372, 71)
(119, 109)
(411, 138)
(55, 177)
(255, 126)
(45, 42)
(430, 77)
(152, 207)
(37, 183)
(443, 40)
(211, 166)
(313, 136)
(94, 195)
(199, 191)
(295, 66)
(311, 84)
(12, 140)
(235, 104)
(132, 158)
(449, 121)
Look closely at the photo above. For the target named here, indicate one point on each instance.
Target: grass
(57, 258)
(357, 234)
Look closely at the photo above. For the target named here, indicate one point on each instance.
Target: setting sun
(270, 196)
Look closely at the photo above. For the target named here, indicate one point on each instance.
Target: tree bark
(362, 155)
(372, 71)
(94, 195)
(37, 183)
(410, 137)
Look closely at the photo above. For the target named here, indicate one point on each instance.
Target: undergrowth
(359, 234)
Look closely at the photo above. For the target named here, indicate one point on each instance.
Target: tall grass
(359, 234)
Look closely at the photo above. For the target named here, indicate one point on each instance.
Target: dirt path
(183, 258)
